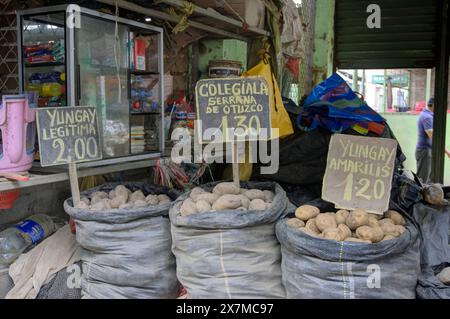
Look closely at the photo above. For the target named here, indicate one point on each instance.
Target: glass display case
(76, 56)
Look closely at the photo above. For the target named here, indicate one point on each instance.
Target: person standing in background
(424, 142)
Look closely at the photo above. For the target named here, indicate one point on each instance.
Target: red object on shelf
(139, 54)
(8, 198)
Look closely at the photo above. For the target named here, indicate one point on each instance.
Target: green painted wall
(404, 127)
(323, 40)
(228, 49)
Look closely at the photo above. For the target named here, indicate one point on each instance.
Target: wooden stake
(236, 164)
(73, 176)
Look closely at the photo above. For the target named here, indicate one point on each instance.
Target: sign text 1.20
(84, 148)
(364, 188)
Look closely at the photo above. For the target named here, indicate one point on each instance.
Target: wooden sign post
(238, 108)
(359, 172)
(68, 135)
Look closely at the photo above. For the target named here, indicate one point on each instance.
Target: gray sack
(229, 254)
(126, 252)
(435, 249)
(316, 268)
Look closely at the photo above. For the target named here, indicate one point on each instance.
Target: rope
(183, 13)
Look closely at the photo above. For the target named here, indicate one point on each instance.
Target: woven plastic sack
(126, 252)
(229, 254)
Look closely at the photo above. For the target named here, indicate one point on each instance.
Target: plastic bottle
(16, 239)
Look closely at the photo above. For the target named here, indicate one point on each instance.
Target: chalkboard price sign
(359, 172)
(68, 135)
(233, 107)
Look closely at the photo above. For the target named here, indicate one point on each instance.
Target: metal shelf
(38, 176)
(44, 64)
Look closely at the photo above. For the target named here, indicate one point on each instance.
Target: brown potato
(122, 191)
(152, 199)
(357, 240)
(357, 218)
(345, 231)
(209, 197)
(332, 234)
(203, 206)
(365, 233)
(311, 225)
(373, 222)
(400, 229)
(390, 229)
(378, 233)
(137, 195)
(385, 221)
(341, 216)
(195, 192)
(295, 222)
(117, 201)
(254, 194)
(226, 188)
(95, 200)
(257, 204)
(188, 207)
(306, 212)
(396, 217)
(376, 216)
(245, 201)
(268, 196)
(324, 221)
(309, 231)
(227, 202)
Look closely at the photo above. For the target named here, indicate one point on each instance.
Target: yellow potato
(332, 234)
(324, 221)
(357, 218)
(396, 217)
(295, 222)
(341, 216)
(226, 188)
(306, 212)
(345, 231)
(365, 233)
(311, 225)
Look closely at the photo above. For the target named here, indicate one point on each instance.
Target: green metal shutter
(407, 37)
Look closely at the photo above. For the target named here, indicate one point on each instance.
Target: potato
(86, 200)
(257, 204)
(365, 233)
(166, 201)
(122, 191)
(152, 199)
(255, 194)
(137, 195)
(226, 188)
(268, 196)
(378, 233)
(163, 197)
(444, 276)
(391, 229)
(385, 221)
(195, 192)
(324, 221)
(203, 206)
(332, 234)
(117, 201)
(357, 218)
(100, 194)
(227, 201)
(311, 225)
(82, 205)
(112, 194)
(341, 216)
(95, 200)
(209, 197)
(98, 206)
(309, 231)
(357, 240)
(188, 207)
(400, 229)
(245, 201)
(376, 216)
(345, 231)
(396, 217)
(295, 222)
(306, 212)
(140, 203)
(388, 237)
(373, 222)
(242, 190)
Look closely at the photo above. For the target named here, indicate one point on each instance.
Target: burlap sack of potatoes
(229, 254)
(126, 253)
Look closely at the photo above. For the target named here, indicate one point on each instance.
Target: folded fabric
(37, 267)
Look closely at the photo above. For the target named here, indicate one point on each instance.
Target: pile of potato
(120, 198)
(226, 196)
(355, 226)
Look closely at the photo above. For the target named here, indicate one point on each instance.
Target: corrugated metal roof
(406, 39)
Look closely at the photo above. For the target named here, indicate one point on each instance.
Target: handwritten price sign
(359, 172)
(68, 135)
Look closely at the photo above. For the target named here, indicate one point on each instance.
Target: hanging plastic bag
(278, 115)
